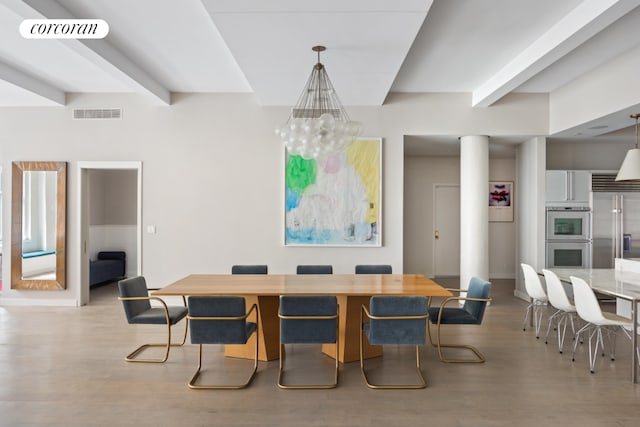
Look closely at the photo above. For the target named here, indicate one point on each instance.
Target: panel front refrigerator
(616, 227)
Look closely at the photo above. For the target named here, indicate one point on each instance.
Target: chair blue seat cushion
(249, 269)
(314, 269)
(373, 269)
(297, 331)
(409, 331)
(452, 316)
(219, 331)
(156, 316)
(140, 311)
(472, 312)
(219, 334)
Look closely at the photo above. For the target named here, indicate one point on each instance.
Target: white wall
(213, 174)
(585, 155)
(113, 197)
(39, 265)
(112, 214)
(502, 235)
(421, 174)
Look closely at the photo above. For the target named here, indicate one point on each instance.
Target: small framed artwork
(501, 201)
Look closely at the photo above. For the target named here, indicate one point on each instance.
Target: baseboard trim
(521, 295)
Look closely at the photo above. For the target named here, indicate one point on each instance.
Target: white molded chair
(564, 309)
(589, 310)
(538, 298)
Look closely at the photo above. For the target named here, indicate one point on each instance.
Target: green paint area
(301, 173)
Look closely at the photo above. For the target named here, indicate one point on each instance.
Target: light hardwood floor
(65, 367)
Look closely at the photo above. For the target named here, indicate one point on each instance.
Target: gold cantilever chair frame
(479, 356)
(423, 383)
(132, 356)
(192, 383)
(282, 354)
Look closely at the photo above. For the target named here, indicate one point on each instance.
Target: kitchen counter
(608, 281)
(620, 283)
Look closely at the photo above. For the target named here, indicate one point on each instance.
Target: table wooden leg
(268, 334)
(349, 332)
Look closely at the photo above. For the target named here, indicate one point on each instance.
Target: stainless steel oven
(568, 254)
(568, 224)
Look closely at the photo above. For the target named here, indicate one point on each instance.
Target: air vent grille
(601, 183)
(97, 113)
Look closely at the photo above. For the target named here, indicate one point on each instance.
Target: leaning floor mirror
(38, 218)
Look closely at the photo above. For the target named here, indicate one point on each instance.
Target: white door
(446, 230)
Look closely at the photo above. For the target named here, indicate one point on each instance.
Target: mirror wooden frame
(17, 281)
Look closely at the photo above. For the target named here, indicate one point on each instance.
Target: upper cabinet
(568, 188)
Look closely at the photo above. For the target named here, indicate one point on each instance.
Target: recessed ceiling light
(598, 127)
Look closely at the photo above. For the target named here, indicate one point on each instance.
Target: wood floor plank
(65, 367)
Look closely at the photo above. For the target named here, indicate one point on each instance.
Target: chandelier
(630, 169)
(318, 125)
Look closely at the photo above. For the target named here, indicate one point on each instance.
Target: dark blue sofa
(110, 265)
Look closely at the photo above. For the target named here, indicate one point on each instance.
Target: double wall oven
(568, 239)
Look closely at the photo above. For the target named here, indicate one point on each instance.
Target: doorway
(95, 234)
(446, 230)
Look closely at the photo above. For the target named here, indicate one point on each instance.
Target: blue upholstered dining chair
(373, 269)
(249, 269)
(471, 313)
(308, 320)
(136, 302)
(221, 320)
(314, 269)
(395, 320)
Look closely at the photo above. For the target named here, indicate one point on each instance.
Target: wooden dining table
(352, 291)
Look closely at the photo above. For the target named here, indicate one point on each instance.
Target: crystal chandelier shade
(318, 125)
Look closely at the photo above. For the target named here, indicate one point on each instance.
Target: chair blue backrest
(478, 288)
(308, 331)
(373, 269)
(406, 331)
(249, 269)
(134, 287)
(314, 269)
(219, 331)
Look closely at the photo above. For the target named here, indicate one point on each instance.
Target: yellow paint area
(364, 156)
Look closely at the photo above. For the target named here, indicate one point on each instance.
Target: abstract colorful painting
(501, 201)
(335, 201)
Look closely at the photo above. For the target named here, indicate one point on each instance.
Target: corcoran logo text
(64, 28)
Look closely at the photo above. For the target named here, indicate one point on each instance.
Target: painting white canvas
(335, 201)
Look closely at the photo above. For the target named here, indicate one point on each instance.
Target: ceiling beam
(22, 80)
(277, 63)
(582, 23)
(100, 52)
